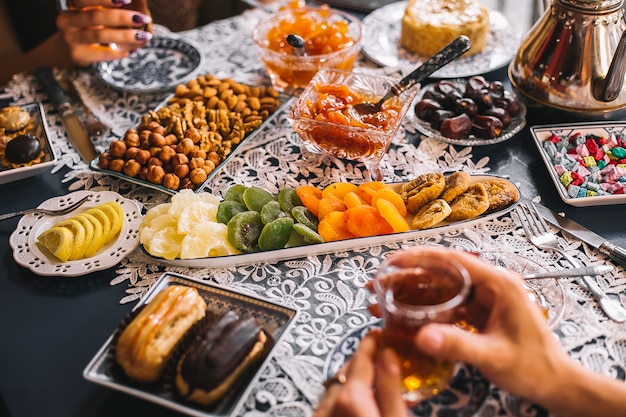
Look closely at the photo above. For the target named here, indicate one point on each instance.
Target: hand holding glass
(412, 293)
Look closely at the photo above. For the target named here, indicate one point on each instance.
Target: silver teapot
(573, 60)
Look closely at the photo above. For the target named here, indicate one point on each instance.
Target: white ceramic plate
(157, 67)
(466, 392)
(517, 123)
(330, 247)
(275, 319)
(40, 130)
(601, 129)
(28, 254)
(381, 43)
(547, 293)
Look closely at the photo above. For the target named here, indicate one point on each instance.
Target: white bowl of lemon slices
(95, 236)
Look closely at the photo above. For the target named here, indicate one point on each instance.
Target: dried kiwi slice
(244, 230)
(275, 234)
(227, 209)
(235, 193)
(309, 235)
(295, 240)
(288, 199)
(271, 211)
(255, 198)
(303, 215)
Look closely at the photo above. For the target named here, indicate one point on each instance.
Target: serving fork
(56, 212)
(538, 233)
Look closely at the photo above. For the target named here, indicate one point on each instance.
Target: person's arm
(84, 33)
(516, 351)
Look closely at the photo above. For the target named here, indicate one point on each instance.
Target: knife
(75, 128)
(571, 272)
(616, 253)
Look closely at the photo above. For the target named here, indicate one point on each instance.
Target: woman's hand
(372, 386)
(101, 30)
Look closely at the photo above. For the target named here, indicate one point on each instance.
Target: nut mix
(179, 145)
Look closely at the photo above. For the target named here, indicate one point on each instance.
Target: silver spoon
(297, 43)
(449, 52)
(571, 272)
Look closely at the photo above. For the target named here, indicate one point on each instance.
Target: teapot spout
(609, 88)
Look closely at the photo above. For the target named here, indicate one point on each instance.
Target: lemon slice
(80, 242)
(114, 216)
(98, 240)
(104, 221)
(59, 241)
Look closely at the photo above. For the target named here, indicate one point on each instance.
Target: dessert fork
(57, 212)
(538, 233)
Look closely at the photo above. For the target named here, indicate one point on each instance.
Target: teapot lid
(594, 5)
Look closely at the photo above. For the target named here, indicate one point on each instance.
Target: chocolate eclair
(222, 353)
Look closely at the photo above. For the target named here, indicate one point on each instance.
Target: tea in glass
(424, 291)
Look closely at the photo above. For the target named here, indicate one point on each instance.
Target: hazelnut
(131, 152)
(171, 181)
(142, 156)
(214, 157)
(198, 176)
(171, 139)
(193, 134)
(103, 160)
(143, 173)
(181, 170)
(198, 153)
(117, 148)
(209, 166)
(166, 154)
(155, 161)
(156, 139)
(131, 168)
(185, 146)
(155, 174)
(179, 159)
(144, 137)
(131, 138)
(196, 163)
(116, 165)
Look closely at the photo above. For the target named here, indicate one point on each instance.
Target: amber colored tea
(412, 297)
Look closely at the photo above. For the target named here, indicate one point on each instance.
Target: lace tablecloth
(328, 290)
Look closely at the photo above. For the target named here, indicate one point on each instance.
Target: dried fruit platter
(338, 245)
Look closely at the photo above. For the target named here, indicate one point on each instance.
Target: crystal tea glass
(415, 291)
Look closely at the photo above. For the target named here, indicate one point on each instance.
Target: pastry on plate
(429, 25)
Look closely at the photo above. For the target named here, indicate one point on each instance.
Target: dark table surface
(52, 327)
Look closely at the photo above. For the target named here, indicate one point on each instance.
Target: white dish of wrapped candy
(586, 161)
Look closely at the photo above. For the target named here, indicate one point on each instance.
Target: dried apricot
(391, 196)
(338, 189)
(366, 190)
(328, 204)
(352, 199)
(310, 197)
(390, 213)
(365, 220)
(333, 227)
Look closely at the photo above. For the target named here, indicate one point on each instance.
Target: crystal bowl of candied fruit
(325, 117)
(332, 39)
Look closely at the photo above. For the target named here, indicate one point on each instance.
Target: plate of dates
(468, 112)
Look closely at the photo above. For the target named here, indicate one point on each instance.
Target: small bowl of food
(327, 121)
(325, 38)
(25, 147)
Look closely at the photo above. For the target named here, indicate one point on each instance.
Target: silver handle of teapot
(610, 87)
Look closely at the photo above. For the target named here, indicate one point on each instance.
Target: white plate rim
(503, 39)
(517, 123)
(328, 247)
(27, 254)
(102, 69)
(541, 133)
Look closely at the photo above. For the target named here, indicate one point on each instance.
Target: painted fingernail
(121, 2)
(142, 35)
(141, 19)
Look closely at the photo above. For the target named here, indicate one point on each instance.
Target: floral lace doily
(328, 290)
